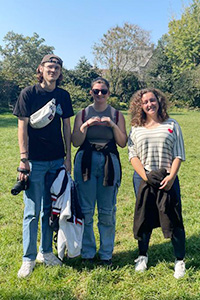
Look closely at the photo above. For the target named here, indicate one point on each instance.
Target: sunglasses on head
(103, 91)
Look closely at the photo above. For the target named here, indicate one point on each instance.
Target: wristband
(24, 152)
(88, 125)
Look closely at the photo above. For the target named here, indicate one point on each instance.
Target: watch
(24, 160)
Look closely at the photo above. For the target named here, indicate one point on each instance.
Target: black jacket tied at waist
(109, 148)
(156, 208)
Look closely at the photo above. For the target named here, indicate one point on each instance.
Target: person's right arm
(133, 155)
(138, 167)
(80, 129)
(23, 144)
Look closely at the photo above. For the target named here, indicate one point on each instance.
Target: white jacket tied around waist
(65, 206)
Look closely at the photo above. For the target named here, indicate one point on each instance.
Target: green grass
(73, 280)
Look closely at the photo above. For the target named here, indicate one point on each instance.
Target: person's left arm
(67, 141)
(168, 181)
(179, 156)
(119, 129)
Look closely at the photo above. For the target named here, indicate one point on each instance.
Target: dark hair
(100, 80)
(40, 76)
(138, 116)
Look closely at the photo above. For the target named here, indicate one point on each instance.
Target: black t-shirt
(45, 143)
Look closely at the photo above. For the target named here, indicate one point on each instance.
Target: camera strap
(24, 171)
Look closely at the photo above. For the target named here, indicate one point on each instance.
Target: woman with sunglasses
(97, 170)
(156, 150)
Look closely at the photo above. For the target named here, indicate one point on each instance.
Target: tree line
(128, 60)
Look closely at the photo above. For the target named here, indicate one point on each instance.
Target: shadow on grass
(157, 252)
(8, 122)
(29, 294)
(176, 114)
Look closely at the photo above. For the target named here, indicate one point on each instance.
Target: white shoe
(141, 263)
(48, 259)
(179, 269)
(26, 268)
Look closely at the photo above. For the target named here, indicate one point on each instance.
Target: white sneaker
(48, 259)
(141, 263)
(26, 268)
(179, 269)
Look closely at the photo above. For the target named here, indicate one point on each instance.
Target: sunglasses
(103, 91)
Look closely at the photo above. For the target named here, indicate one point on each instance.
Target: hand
(107, 122)
(167, 183)
(67, 164)
(25, 166)
(91, 122)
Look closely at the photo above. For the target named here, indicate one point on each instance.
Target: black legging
(178, 236)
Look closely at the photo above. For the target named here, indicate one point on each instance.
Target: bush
(186, 89)
(80, 97)
(114, 101)
(123, 106)
(8, 94)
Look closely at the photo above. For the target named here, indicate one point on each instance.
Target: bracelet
(88, 125)
(23, 152)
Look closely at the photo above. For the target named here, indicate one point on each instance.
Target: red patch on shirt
(170, 130)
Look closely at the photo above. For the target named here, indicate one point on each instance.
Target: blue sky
(73, 26)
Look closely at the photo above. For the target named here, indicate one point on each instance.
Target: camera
(21, 185)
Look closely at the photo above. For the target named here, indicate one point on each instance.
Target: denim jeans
(37, 202)
(178, 236)
(93, 191)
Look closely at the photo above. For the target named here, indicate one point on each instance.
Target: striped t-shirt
(157, 147)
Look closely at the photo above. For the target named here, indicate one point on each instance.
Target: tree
(120, 50)
(80, 97)
(159, 70)
(183, 48)
(84, 73)
(186, 89)
(128, 84)
(8, 93)
(81, 75)
(21, 56)
(78, 82)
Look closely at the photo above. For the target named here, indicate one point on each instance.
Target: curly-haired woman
(156, 149)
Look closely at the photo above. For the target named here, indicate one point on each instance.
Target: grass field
(75, 281)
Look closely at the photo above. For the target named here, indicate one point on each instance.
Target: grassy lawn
(75, 281)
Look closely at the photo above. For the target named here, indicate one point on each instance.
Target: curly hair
(39, 76)
(138, 116)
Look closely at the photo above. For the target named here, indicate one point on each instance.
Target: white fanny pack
(44, 115)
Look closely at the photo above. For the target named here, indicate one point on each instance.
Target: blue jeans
(93, 191)
(37, 202)
(178, 236)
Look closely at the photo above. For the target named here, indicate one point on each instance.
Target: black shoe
(106, 262)
(88, 260)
